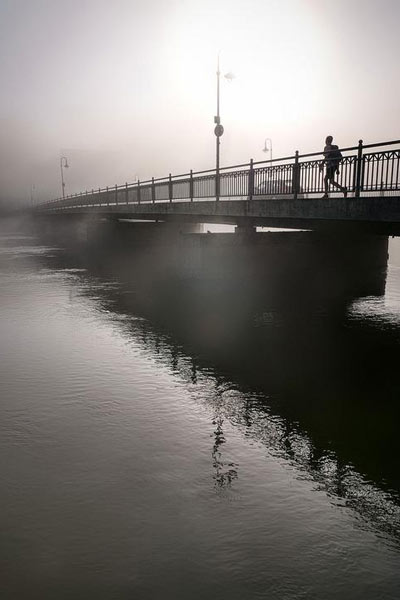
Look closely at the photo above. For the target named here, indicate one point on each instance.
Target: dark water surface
(151, 448)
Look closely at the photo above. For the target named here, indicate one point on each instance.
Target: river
(141, 459)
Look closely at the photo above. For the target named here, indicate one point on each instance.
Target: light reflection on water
(136, 468)
(385, 309)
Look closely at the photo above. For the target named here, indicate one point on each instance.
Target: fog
(128, 89)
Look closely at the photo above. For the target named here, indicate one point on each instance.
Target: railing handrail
(193, 175)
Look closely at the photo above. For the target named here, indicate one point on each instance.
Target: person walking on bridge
(332, 159)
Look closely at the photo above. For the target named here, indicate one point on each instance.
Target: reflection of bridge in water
(283, 192)
(302, 377)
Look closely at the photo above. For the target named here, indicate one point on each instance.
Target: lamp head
(229, 76)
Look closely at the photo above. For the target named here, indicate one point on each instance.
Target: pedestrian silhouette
(332, 159)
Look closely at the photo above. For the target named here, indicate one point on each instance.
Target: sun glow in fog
(278, 61)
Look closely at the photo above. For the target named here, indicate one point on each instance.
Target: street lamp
(266, 149)
(63, 163)
(219, 130)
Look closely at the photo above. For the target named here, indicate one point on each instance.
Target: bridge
(284, 193)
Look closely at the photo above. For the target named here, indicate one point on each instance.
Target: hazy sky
(127, 88)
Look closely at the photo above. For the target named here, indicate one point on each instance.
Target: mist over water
(166, 438)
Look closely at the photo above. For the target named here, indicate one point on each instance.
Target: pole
(296, 179)
(62, 178)
(359, 181)
(218, 119)
(191, 185)
(250, 191)
(63, 163)
(265, 149)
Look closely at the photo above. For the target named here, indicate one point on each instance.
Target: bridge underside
(380, 215)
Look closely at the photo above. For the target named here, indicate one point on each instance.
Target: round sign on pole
(219, 130)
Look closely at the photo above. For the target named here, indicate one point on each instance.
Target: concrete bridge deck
(379, 215)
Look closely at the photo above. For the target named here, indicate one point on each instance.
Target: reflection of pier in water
(312, 385)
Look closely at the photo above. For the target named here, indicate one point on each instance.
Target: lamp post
(63, 164)
(32, 194)
(266, 149)
(219, 130)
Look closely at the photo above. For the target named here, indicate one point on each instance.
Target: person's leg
(326, 182)
(339, 187)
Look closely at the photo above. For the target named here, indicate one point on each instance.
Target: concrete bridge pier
(246, 230)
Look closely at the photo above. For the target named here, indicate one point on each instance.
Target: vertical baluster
(376, 171)
(367, 182)
(305, 182)
(313, 180)
(381, 169)
(391, 170)
(386, 155)
(380, 172)
(370, 178)
(375, 167)
(312, 174)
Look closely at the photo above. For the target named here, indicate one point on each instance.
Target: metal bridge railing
(373, 169)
